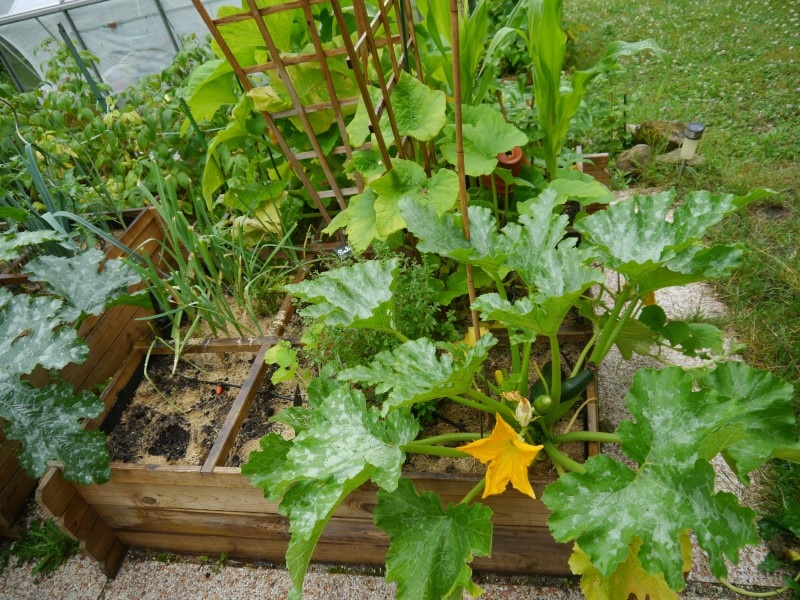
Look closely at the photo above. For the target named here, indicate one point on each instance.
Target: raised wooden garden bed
(597, 167)
(212, 508)
(110, 338)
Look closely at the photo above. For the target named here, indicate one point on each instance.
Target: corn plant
(557, 104)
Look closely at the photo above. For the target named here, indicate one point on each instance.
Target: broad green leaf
(635, 338)
(440, 234)
(311, 499)
(367, 162)
(81, 280)
(244, 38)
(47, 421)
(358, 129)
(430, 549)
(34, 331)
(486, 134)
(455, 286)
(268, 99)
(418, 371)
(253, 196)
(359, 295)
(359, 221)
(10, 243)
(629, 578)
(310, 84)
(556, 271)
(342, 444)
(11, 213)
(210, 86)
(444, 235)
(285, 358)
(532, 319)
(213, 173)
(654, 317)
(407, 179)
(676, 414)
(762, 409)
(547, 260)
(694, 339)
(418, 110)
(636, 238)
(583, 188)
(695, 263)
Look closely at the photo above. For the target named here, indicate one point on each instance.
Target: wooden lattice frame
(372, 34)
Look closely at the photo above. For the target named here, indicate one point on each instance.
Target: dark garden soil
(174, 418)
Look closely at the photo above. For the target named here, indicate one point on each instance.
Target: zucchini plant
(40, 332)
(626, 528)
(628, 532)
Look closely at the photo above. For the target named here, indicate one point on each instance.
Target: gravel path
(145, 577)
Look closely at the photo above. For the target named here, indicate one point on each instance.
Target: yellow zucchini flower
(507, 456)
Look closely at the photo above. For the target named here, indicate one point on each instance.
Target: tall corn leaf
(546, 40)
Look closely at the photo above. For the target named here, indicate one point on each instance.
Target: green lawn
(734, 66)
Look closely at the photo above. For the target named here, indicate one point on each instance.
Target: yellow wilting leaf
(508, 458)
(649, 299)
(629, 578)
(469, 338)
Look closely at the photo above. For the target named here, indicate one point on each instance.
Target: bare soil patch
(174, 418)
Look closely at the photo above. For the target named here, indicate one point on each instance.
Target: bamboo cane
(462, 179)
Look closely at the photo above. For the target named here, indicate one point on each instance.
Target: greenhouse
(131, 38)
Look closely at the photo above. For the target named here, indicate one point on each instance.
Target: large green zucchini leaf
(356, 296)
(34, 331)
(417, 372)
(656, 242)
(87, 282)
(340, 444)
(431, 547)
(682, 419)
(47, 420)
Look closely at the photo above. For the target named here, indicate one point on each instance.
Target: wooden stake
(462, 178)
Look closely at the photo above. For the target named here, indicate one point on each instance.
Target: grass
(734, 66)
(43, 544)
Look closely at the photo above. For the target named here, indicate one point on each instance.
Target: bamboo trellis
(386, 29)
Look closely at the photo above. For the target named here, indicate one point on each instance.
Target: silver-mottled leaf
(35, 333)
(82, 281)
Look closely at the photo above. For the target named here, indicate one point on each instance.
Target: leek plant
(211, 272)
